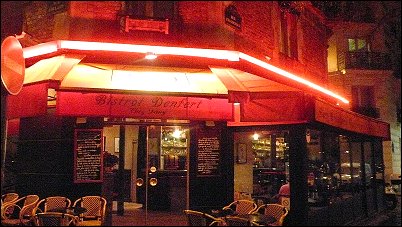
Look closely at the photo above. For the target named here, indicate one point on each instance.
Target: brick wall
(105, 10)
(199, 24)
(38, 22)
(257, 33)
(195, 12)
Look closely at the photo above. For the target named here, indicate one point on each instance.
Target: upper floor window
(288, 34)
(363, 101)
(363, 96)
(150, 9)
(358, 44)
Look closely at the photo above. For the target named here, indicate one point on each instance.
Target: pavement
(386, 218)
(136, 217)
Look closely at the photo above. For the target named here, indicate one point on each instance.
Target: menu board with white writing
(208, 158)
(88, 159)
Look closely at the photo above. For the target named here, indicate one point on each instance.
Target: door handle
(153, 181)
(139, 182)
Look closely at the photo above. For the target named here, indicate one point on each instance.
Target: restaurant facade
(202, 103)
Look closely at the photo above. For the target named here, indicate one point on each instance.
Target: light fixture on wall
(150, 56)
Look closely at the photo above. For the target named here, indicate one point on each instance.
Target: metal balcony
(368, 60)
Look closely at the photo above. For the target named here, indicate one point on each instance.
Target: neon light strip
(158, 50)
(40, 49)
(291, 76)
(51, 47)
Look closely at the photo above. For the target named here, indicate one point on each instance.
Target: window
(363, 96)
(329, 172)
(288, 34)
(358, 44)
(267, 164)
(363, 101)
(150, 9)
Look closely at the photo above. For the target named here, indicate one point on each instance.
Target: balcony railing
(367, 111)
(368, 60)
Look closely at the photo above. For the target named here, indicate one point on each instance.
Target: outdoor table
(76, 211)
(222, 213)
(258, 218)
(255, 217)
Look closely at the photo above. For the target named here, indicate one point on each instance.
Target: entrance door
(162, 172)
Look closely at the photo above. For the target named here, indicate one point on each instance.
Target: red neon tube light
(51, 47)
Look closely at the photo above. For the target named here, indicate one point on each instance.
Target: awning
(168, 92)
(30, 102)
(201, 82)
(51, 69)
(165, 92)
(261, 100)
(348, 120)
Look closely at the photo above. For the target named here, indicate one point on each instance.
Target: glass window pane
(342, 176)
(265, 172)
(356, 168)
(361, 44)
(352, 44)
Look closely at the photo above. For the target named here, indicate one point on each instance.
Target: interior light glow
(256, 136)
(291, 76)
(236, 104)
(177, 133)
(164, 50)
(167, 81)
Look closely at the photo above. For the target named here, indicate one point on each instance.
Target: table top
(70, 210)
(258, 218)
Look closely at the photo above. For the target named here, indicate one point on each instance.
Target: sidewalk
(387, 218)
(136, 217)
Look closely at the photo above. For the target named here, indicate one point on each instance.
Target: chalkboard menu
(88, 158)
(208, 158)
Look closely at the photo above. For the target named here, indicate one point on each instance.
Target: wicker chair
(52, 204)
(95, 210)
(277, 211)
(253, 223)
(237, 221)
(9, 197)
(196, 218)
(242, 206)
(24, 207)
(54, 219)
